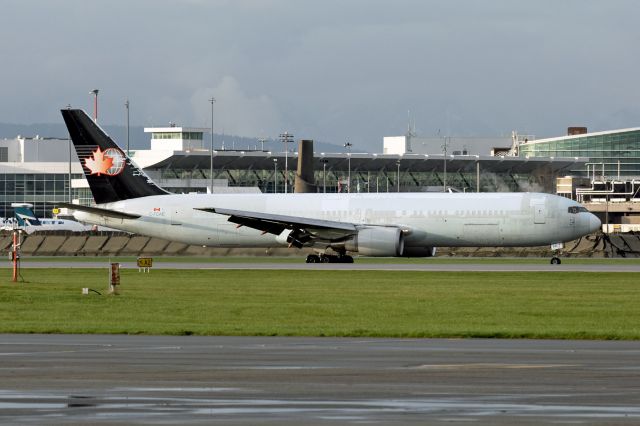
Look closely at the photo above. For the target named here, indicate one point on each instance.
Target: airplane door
(175, 216)
(538, 213)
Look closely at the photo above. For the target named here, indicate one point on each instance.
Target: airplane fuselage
(432, 219)
(57, 225)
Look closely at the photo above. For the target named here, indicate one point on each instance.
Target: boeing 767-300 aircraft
(380, 224)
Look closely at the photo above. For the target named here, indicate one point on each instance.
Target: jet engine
(377, 241)
(293, 237)
(419, 251)
(284, 237)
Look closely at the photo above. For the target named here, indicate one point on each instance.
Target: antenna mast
(411, 133)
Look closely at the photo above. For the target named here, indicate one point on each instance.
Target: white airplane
(26, 219)
(380, 224)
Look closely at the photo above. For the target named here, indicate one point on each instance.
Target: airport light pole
(212, 100)
(324, 175)
(444, 166)
(477, 173)
(69, 141)
(398, 178)
(606, 213)
(618, 169)
(126, 104)
(285, 138)
(275, 175)
(94, 92)
(348, 145)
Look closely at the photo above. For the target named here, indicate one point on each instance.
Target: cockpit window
(577, 209)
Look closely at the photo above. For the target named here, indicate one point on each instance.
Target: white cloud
(327, 70)
(236, 112)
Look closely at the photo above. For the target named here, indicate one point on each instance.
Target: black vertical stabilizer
(110, 173)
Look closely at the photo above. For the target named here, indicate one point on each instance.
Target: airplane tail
(112, 176)
(24, 215)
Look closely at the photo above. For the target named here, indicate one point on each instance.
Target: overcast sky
(330, 70)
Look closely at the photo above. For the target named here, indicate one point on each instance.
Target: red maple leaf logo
(98, 163)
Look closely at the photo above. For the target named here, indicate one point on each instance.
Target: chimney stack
(305, 176)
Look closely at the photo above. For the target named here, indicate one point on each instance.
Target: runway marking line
(105, 349)
(473, 366)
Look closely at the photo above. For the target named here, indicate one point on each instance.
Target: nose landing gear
(557, 251)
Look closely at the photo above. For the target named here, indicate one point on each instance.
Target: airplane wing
(303, 230)
(99, 211)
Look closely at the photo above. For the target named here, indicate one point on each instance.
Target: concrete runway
(78, 379)
(298, 264)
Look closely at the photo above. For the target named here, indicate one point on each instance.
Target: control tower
(176, 138)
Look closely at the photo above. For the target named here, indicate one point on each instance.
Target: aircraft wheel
(346, 259)
(325, 259)
(313, 258)
(555, 261)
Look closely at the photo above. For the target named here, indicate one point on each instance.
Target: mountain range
(140, 140)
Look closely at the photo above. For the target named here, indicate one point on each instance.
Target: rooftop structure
(369, 172)
(35, 149)
(410, 144)
(611, 154)
(175, 138)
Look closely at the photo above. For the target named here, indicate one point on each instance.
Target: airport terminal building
(614, 154)
(37, 170)
(44, 171)
(609, 183)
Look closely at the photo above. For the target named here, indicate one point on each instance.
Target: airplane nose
(594, 223)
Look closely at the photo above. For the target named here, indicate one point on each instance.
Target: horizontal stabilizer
(99, 211)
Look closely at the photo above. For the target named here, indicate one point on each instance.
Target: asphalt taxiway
(299, 264)
(114, 379)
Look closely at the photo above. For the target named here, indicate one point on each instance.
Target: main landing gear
(329, 258)
(555, 260)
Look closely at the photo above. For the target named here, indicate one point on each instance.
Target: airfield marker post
(15, 255)
(114, 278)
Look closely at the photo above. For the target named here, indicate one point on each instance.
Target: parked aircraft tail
(112, 176)
(25, 215)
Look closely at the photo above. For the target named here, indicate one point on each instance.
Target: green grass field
(326, 303)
